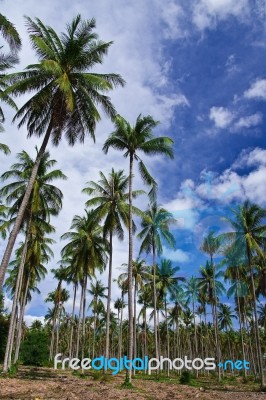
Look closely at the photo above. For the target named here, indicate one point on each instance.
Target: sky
(198, 67)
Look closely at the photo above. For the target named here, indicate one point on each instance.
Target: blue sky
(198, 66)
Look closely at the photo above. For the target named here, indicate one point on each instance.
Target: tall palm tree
(249, 234)
(89, 250)
(119, 305)
(155, 228)
(225, 316)
(167, 284)
(211, 245)
(192, 292)
(140, 273)
(45, 200)
(110, 197)
(133, 140)
(7, 60)
(65, 96)
(210, 285)
(97, 290)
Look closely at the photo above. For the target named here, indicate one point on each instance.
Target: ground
(38, 384)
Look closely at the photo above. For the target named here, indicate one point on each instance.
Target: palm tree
(133, 140)
(155, 227)
(119, 305)
(248, 235)
(211, 246)
(210, 285)
(225, 317)
(89, 250)
(140, 273)
(110, 197)
(262, 315)
(167, 283)
(10, 34)
(56, 298)
(38, 253)
(192, 291)
(97, 290)
(66, 94)
(45, 200)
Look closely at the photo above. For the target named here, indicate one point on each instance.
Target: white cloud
(249, 121)
(257, 90)
(221, 116)
(206, 13)
(172, 15)
(29, 319)
(198, 206)
(177, 255)
(255, 157)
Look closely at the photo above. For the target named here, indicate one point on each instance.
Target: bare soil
(69, 387)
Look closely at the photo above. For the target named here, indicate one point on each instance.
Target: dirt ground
(75, 388)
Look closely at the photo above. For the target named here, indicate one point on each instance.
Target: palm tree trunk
(257, 332)
(195, 334)
(22, 208)
(120, 330)
(72, 322)
(84, 317)
(130, 267)
(216, 330)
(241, 332)
(12, 324)
(155, 300)
(94, 326)
(58, 327)
(135, 320)
(20, 321)
(167, 334)
(109, 296)
(79, 321)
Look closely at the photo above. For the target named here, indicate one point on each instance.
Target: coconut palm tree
(45, 200)
(155, 228)
(249, 235)
(66, 94)
(211, 245)
(210, 285)
(141, 273)
(89, 250)
(110, 197)
(133, 140)
(97, 290)
(167, 284)
(119, 305)
(7, 60)
(191, 287)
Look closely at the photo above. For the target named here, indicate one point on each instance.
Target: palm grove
(177, 316)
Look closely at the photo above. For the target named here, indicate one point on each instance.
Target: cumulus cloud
(223, 189)
(257, 90)
(221, 116)
(249, 121)
(206, 13)
(177, 255)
